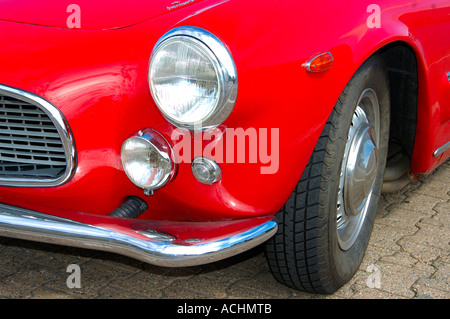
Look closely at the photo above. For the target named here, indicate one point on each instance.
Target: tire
(325, 226)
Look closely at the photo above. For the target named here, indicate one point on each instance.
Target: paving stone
(386, 237)
(146, 283)
(179, 289)
(394, 279)
(93, 276)
(416, 202)
(246, 291)
(442, 216)
(112, 292)
(441, 278)
(267, 283)
(437, 184)
(208, 286)
(424, 253)
(47, 293)
(403, 219)
(369, 293)
(431, 235)
(424, 292)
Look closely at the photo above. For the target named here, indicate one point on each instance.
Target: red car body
(97, 76)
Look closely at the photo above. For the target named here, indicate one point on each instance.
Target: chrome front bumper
(30, 225)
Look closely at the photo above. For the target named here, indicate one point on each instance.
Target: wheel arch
(411, 115)
(408, 83)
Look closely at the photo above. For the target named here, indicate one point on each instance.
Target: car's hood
(87, 14)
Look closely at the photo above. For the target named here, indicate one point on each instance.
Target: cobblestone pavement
(408, 257)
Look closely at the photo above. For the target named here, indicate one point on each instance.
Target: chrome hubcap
(359, 169)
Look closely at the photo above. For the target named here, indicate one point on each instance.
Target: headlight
(193, 78)
(148, 160)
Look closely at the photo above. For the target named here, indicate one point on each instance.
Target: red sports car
(184, 132)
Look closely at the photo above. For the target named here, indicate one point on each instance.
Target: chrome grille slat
(24, 111)
(30, 161)
(26, 126)
(25, 118)
(17, 154)
(32, 147)
(30, 140)
(35, 145)
(6, 102)
(26, 133)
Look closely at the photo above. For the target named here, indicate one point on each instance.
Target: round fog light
(206, 170)
(148, 161)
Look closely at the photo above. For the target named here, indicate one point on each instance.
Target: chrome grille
(32, 150)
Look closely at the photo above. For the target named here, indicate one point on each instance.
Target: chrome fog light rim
(359, 168)
(147, 146)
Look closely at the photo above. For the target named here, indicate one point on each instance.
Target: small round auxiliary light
(206, 170)
(148, 160)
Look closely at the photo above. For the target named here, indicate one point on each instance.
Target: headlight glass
(184, 80)
(192, 78)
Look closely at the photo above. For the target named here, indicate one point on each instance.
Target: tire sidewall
(370, 76)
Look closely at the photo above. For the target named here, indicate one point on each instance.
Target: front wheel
(325, 225)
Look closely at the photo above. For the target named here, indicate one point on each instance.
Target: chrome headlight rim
(224, 66)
